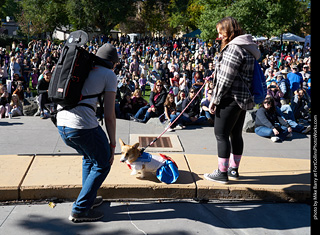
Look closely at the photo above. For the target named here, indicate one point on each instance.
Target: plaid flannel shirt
(233, 76)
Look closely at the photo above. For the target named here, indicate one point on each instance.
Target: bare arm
(110, 120)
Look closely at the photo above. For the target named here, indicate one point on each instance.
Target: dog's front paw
(134, 172)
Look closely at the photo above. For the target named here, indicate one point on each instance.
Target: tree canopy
(258, 17)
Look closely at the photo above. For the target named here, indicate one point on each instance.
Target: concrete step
(261, 178)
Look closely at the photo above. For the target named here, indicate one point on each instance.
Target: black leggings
(229, 121)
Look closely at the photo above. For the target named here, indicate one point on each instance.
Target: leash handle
(165, 130)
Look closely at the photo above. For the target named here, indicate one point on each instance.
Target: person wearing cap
(79, 129)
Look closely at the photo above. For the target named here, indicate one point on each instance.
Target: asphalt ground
(31, 135)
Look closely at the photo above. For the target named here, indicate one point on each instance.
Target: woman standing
(231, 98)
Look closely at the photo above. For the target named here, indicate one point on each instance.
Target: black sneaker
(233, 173)
(91, 215)
(97, 202)
(217, 176)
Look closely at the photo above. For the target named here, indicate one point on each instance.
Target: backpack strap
(99, 112)
(100, 109)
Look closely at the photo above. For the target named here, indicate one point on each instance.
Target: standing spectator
(43, 87)
(142, 83)
(3, 72)
(4, 101)
(14, 67)
(231, 98)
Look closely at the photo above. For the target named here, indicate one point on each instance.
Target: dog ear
(136, 145)
(121, 142)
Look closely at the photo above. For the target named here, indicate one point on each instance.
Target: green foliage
(154, 13)
(38, 16)
(184, 14)
(96, 14)
(8, 8)
(257, 17)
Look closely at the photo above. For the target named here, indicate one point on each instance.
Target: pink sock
(223, 164)
(235, 160)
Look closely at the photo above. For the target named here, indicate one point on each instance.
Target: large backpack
(71, 71)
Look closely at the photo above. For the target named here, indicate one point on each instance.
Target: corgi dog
(162, 166)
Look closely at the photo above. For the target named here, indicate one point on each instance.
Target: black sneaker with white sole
(217, 176)
(233, 173)
(97, 202)
(89, 216)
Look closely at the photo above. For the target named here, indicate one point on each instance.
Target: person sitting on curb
(156, 104)
(270, 124)
(192, 113)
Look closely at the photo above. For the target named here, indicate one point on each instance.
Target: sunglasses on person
(159, 85)
(267, 102)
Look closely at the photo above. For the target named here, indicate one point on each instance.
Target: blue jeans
(187, 121)
(93, 144)
(268, 132)
(144, 114)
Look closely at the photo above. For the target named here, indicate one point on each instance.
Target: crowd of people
(174, 70)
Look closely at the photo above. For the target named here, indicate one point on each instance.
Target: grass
(147, 95)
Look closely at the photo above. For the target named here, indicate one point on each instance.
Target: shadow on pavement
(178, 218)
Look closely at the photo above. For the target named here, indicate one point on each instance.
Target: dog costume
(166, 169)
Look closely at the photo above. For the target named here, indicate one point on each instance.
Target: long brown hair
(158, 82)
(229, 28)
(167, 102)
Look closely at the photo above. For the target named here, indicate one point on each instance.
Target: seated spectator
(275, 92)
(4, 102)
(43, 87)
(197, 80)
(124, 88)
(170, 111)
(16, 80)
(174, 88)
(284, 86)
(137, 101)
(181, 98)
(269, 123)
(192, 113)
(295, 79)
(126, 108)
(205, 108)
(19, 91)
(300, 105)
(16, 106)
(286, 113)
(156, 104)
